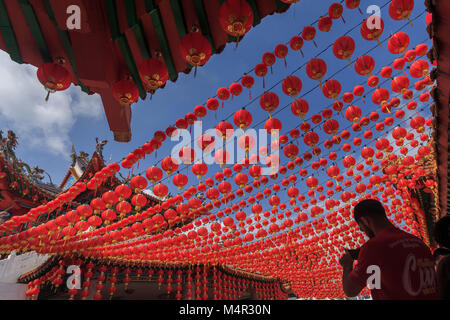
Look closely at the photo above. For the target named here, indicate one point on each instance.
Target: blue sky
(47, 143)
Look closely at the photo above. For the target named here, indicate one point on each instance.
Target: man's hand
(346, 261)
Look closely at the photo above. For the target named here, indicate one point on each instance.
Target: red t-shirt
(402, 264)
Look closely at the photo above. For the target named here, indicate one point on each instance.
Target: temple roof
(115, 37)
(438, 31)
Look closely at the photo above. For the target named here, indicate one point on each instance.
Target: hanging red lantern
(187, 155)
(335, 11)
(421, 50)
(160, 190)
(273, 126)
(344, 47)
(299, 108)
(316, 69)
(247, 81)
(309, 33)
(331, 89)
(223, 94)
(386, 72)
(398, 43)
(54, 77)
(236, 17)
(224, 130)
(269, 101)
(325, 24)
(242, 118)
(206, 142)
(380, 96)
(154, 174)
(353, 113)
(281, 51)
(353, 4)
(199, 169)
(401, 9)
(125, 92)
(195, 49)
(291, 86)
(331, 126)
(296, 44)
(419, 68)
(261, 71)
(291, 151)
(311, 139)
(400, 84)
(169, 165)
(154, 74)
(372, 34)
(180, 180)
(235, 89)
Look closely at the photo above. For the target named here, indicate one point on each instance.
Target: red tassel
(314, 41)
(301, 51)
(264, 83)
(271, 71)
(250, 94)
(343, 19)
(360, 10)
(285, 62)
(222, 105)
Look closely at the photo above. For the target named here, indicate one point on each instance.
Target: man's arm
(350, 288)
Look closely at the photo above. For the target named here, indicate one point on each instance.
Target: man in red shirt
(392, 263)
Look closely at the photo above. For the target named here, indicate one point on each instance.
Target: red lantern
(335, 11)
(248, 82)
(242, 118)
(236, 17)
(292, 86)
(353, 113)
(309, 33)
(154, 174)
(195, 49)
(331, 126)
(372, 34)
(273, 126)
(419, 68)
(54, 77)
(353, 4)
(125, 92)
(299, 108)
(316, 69)
(325, 24)
(311, 139)
(380, 96)
(169, 165)
(154, 74)
(331, 89)
(269, 101)
(261, 71)
(400, 84)
(187, 155)
(401, 9)
(296, 44)
(205, 142)
(364, 65)
(224, 130)
(180, 180)
(344, 47)
(398, 43)
(281, 52)
(160, 190)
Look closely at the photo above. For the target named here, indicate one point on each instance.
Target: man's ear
(365, 221)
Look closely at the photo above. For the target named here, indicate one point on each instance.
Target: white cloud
(38, 123)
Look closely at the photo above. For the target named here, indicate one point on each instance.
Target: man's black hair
(442, 232)
(369, 208)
